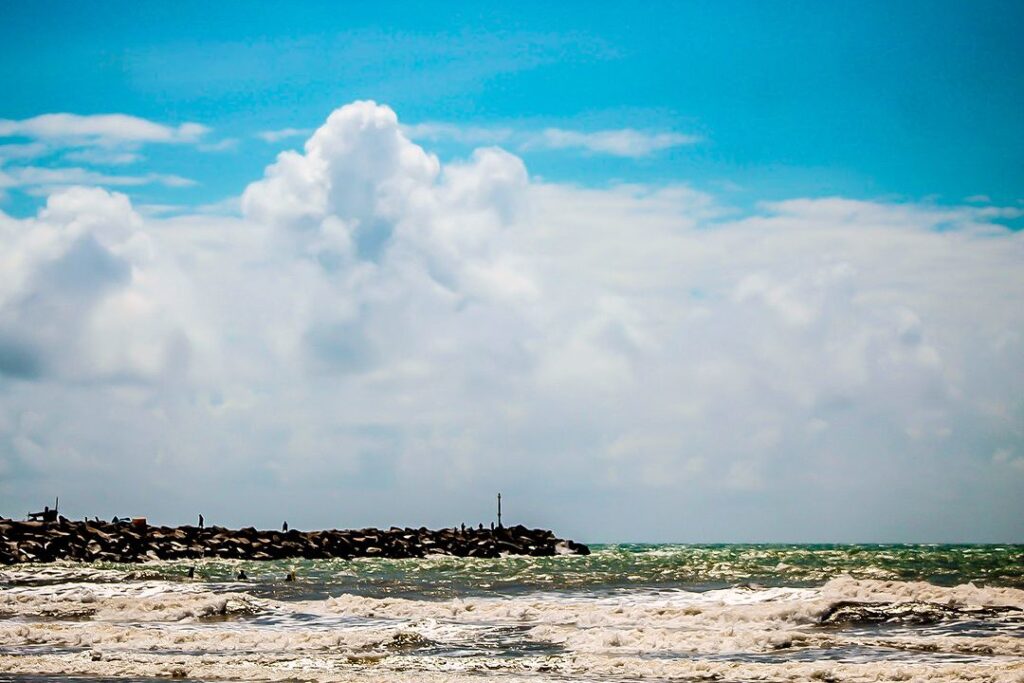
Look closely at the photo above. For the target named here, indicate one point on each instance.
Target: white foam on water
(964, 595)
(125, 602)
(729, 621)
(55, 573)
(155, 628)
(200, 639)
(396, 669)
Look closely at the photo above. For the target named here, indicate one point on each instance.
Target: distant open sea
(626, 612)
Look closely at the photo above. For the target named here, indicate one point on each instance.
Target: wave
(124, 602)
(852, 629)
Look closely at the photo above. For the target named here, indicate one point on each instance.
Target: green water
(611, 568)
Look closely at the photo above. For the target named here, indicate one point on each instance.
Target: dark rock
(35, 541)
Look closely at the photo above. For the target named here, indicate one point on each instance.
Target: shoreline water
(657, 612)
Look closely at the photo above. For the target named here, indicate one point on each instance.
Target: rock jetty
(88, 541)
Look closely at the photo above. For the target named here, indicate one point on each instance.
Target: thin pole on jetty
(499, 510)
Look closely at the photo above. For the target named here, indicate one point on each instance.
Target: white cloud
(381, 338)
(100, 129)
(99, 140)
(358, 168)
(34, 176)
(225, 145)
(28, 150)
(78, 301)
(103, 156)
(283, 134)
(467, 135)
(623, 142)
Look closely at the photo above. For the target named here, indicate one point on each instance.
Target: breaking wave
(121, 622)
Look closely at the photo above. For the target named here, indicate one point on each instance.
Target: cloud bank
(383, 338)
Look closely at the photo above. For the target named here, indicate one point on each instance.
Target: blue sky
(905, 100)
(672, 272)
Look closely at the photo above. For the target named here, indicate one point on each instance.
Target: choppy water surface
(722, 612)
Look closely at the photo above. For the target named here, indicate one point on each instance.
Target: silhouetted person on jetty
(47, 515)
(200, 521)
(284, 527)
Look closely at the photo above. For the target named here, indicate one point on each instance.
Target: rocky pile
(88, 541)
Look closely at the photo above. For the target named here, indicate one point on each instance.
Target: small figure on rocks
(200, 521)
(463, 527)
(47, 515)
(284, 527)
(242, 576)
(492, 526)
(480, 526)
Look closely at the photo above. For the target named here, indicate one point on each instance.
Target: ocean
(626, 612)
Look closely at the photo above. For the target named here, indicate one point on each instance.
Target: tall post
(499, 510)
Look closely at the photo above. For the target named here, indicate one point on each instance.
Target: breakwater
(95, 541)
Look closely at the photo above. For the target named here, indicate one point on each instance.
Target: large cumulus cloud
(382, 338)
(81, 298)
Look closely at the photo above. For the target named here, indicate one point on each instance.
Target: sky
(688, 271)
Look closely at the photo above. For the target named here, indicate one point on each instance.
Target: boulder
(92, 541)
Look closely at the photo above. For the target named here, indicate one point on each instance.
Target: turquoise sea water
(681, 612)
